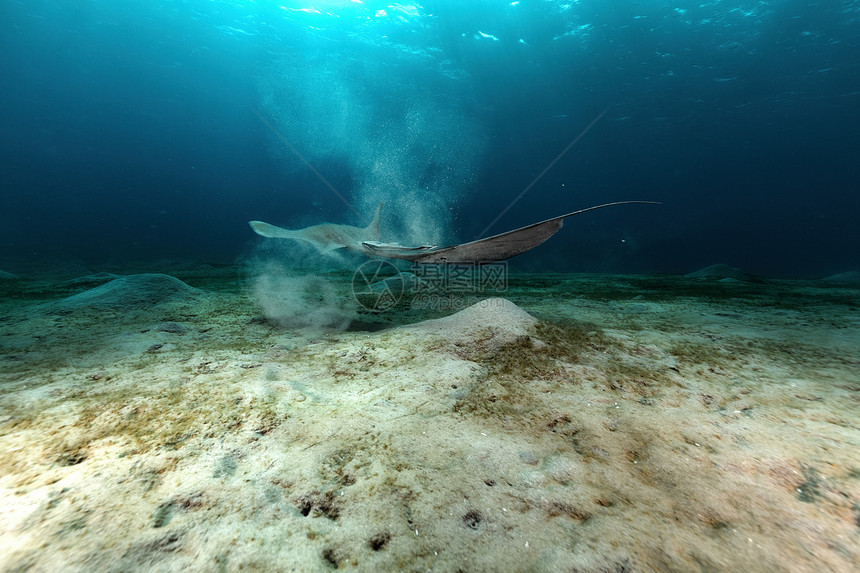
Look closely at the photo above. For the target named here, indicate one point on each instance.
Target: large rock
(91, 280)
(850, 278)
(132, 292)
(483, 328)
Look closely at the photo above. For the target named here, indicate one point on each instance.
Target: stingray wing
(491, 249)
(497, 248)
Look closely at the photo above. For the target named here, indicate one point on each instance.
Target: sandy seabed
(586, 423)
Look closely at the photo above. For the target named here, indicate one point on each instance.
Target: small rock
(720, 271)
(172, 327)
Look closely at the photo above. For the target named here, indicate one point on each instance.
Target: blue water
(134, 130)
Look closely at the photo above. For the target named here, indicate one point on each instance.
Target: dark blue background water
(130, 129)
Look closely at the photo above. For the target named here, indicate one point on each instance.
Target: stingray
(326, 236)
(330, 236)
(491, 249)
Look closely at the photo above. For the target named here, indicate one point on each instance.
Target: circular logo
(377, 285)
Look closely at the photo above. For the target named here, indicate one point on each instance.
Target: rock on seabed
(132, 291)
(486, 326)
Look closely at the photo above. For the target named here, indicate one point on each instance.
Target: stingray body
(326, 236)
(329, 236)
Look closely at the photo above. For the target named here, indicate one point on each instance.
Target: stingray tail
(373, 228)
